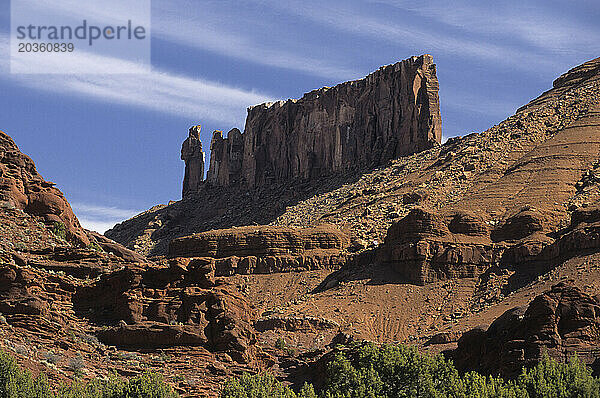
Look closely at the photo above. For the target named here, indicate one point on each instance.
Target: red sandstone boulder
(562, 322)
(424, 246)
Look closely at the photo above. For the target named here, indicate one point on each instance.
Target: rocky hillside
(368, 201)
(485, 248)
(21, 187)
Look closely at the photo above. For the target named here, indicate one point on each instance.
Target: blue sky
(112, 142)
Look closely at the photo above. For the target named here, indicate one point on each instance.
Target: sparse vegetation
(95, 246)
(280, 343)
(370, 371)
(77, 364)
(59, 230)
(52, 357)
(18, 383)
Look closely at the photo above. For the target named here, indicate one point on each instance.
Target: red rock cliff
(363, 123)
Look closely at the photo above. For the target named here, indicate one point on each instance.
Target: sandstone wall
(363, 123)
(392, 112)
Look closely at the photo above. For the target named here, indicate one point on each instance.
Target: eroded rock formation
(192, 154)
(425, 247)
(561, 322)
(22, 187)
(226, 158)
(392, 112)
(265, 249)
(178, 305)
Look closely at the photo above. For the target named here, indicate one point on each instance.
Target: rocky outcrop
(17, 292)
(541, 253)
(265, 249)
(115, 248)
(259, 241)
(562, 322)
(294, 324)
(192, 154)
(22, 187)
(179, 305)
(425, 247)
(394, 111)
(226, 158)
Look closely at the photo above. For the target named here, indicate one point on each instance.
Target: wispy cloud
(536, 26)
(210, 35)
(157, 90)
(343, 17)
(103, 211)
(173, 22)
(100, 218)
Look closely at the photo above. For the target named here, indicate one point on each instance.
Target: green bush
(559, 380)
(18, 383)
(370, 371)
(280, 343)
(59, 230)
(262, 385)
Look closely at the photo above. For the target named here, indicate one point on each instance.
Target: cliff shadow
(225, 207)
(362, 267)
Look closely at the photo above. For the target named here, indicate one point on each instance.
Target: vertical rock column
(193, 155)
(226, 158)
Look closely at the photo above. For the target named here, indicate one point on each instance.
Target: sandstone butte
(485, 248)
(392, 112)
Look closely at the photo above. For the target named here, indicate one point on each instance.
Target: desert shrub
(59, 230)
(77, 364)
(367, 370)
(18, 383)
(148, 385)
(95, 246)
(280, 343)
(262, 385)
(559, 380)
(52, 358)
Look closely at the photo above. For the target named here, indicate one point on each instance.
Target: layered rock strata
(425, 247)
(179, 305)
(265, 249)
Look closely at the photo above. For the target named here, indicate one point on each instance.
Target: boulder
(561, 322)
